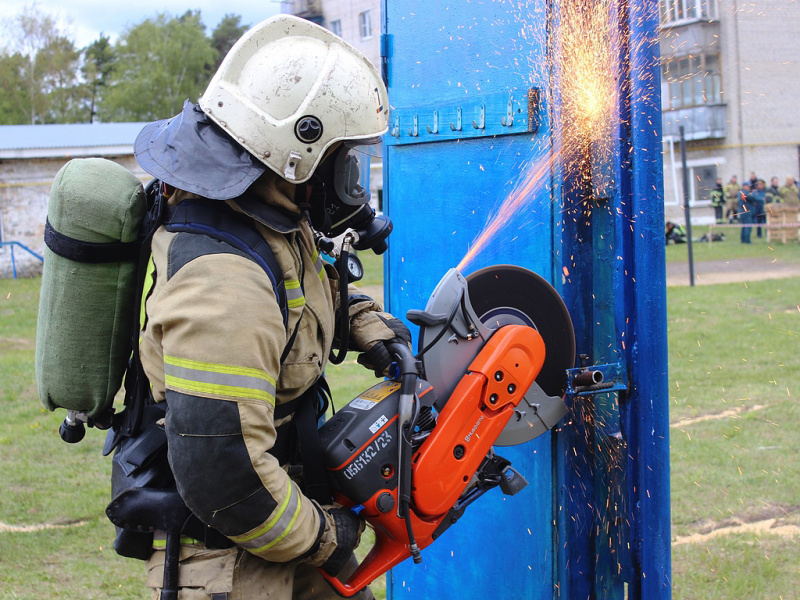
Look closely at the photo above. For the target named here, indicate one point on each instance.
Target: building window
(702, 179)
(365, 20)
(690, 81)
(677, 11)
(336, 27)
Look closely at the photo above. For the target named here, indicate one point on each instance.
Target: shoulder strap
(218, 220)
(137, 388)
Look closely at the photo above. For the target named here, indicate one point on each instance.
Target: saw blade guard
(463, 313)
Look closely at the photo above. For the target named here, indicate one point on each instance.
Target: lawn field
(734, 365)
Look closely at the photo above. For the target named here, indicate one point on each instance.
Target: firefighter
(718, 200)
(289, 98)
(732, 189)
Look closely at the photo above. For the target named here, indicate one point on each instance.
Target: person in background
(732, 199)
(759, 194)
(789, 193)
(745, 212)
(674, 233)
(753, 180)
(718, 201)
(773, 192)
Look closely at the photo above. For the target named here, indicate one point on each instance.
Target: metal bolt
(498, 376)
(458, 452)
(512, 388)
(493, 399)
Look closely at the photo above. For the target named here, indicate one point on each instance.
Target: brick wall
(24, 195)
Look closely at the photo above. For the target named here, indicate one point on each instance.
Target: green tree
(64, 95)
(40, 67)
(225, 35)
(14, 100)
(96, 71)
(159, 63)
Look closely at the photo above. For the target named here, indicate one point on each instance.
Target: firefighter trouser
(234, 574)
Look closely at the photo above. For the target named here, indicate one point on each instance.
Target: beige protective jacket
(211, 347)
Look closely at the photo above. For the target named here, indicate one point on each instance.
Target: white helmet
(289, 89)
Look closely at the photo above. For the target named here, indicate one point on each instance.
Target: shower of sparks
(586, 64)
(538, 173)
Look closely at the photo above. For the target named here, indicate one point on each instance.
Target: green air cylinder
(86, 307)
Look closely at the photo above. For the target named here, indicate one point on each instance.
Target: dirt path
(731, 271)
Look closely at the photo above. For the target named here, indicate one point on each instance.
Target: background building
(30, 158)
(729, 75)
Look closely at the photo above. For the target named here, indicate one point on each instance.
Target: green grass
(734, 363)
(737, 567)
(733, 347)
(731, 248)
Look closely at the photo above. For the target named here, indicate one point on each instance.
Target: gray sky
(85, 20)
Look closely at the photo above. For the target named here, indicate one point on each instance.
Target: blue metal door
(475, 148)
(466, 121)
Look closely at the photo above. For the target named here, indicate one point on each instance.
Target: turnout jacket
(211, 346)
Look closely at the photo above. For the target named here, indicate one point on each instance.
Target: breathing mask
(339, 201)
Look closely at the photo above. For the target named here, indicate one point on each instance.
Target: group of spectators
(746, 203)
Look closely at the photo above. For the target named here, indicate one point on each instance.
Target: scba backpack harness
(98, 235)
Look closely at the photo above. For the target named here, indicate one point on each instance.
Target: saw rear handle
(408, 371)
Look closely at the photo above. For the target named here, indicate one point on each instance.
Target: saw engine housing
(411, 461)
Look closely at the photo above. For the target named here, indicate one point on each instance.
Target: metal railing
(12, 246)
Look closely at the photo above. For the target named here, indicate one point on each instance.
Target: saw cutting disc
(507, 294)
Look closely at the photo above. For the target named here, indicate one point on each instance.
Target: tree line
(145, 75)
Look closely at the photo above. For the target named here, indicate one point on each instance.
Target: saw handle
(406, 417)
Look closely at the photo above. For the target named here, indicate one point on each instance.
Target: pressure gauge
(354, 268)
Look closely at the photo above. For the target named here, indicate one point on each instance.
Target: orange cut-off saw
(412, 453)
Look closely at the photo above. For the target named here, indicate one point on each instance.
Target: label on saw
(382, 420)
(367, 400)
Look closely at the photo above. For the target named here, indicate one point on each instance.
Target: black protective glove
(348, 534)
(378, 357)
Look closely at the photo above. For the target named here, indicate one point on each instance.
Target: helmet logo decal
(308, 129)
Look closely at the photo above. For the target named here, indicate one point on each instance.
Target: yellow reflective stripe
(183, 374)
(241, 539)
(276, 529)
(162, 544)
(217, 390)
(282, 535)
(318, 264)
(294, 294)
(149, 281)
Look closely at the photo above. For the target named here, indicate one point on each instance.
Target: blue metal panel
(443, 185)
(647, 411)
(595, 519)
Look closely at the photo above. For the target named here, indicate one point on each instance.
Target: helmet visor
(351, 173)
(368, 147)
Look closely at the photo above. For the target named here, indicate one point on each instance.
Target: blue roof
(77, 135)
